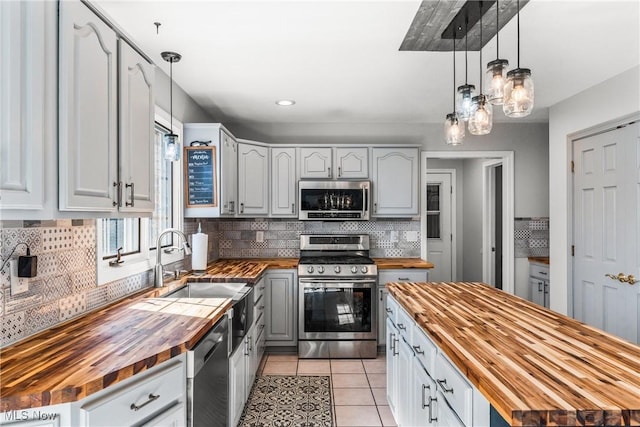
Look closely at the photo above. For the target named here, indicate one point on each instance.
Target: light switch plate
(259, 236)
(18, 284)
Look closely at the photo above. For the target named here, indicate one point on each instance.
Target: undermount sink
(208, 290)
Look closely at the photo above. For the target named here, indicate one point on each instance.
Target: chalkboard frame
(185, 167)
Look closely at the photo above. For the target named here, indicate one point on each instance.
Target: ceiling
(340, 60)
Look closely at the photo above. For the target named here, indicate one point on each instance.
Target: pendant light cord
(497, 29)
(171, 95)
(454, 72)
(480, 48)
(466, 49)
(518, 6)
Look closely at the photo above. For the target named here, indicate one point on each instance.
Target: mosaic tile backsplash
(531, 237)
(66, 286)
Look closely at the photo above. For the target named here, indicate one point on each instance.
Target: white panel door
(439, 236)
(88, 120)
(606, 226)
(316, 162)
(137, 110)
(253, 180)
(352, 162)
(283, 182)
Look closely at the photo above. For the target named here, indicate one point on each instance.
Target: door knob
(621, 277)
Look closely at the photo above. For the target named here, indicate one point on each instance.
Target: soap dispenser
(199, 244)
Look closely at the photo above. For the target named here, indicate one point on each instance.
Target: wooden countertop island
(535, 366)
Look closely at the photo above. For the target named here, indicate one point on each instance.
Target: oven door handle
(350, 283)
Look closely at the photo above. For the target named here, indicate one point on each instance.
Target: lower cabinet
(392, 366)
(423, 397)
(539, 284)
(281, 307)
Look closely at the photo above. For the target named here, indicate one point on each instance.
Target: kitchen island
(534, 366)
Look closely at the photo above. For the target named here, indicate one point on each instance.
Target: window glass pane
(120, 233)
(433, 197)
(433, 225)
(163, 213)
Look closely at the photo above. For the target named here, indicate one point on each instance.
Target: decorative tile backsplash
(531, 237)
(66, 286)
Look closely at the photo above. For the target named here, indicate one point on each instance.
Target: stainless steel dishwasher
(208, 381)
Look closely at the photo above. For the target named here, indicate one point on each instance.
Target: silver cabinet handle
(131, 199)
(402, 327)
(118, 188)
(426, 405)
(388, 310)
(404, 279)
(431, 417)
(241, 207)
(293, 208)
(152, 397)
(329, 170)
(417, 349)
(443, 384)
(339, 171)
(539, 286)
(375, 207)
(381, 294)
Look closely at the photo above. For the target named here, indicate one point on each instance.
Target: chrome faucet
(159, 271)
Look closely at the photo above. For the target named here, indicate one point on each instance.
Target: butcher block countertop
(539, 259)
(241, 270)
(535, 366)
(394, 263)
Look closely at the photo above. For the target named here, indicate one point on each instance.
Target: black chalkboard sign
(200, 177)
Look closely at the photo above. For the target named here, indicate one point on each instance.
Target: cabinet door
(352, 162)
(253, 180)
(280, 310)
(237, 384)
(382, 315)
(395, 182)
(315, 162)
(404, 392)
(136, 149)
(423, 392)
(283, 182)
(392, 367)
(229, 173)
(87, 111)
(25, 101)
(537, 290)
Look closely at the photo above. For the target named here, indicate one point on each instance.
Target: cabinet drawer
(258, 292)
(117, 405)
(424, 349)
(455, 389)
(538, 270)
(404, 323)
(406, 275)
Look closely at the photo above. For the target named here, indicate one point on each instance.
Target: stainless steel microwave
(334, 200)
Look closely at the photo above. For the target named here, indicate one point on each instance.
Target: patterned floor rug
(288, 401)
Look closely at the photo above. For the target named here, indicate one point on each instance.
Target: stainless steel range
(337, 287)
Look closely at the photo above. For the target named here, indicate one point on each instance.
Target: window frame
(146, 259)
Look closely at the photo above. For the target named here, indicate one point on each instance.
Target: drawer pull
(152, 397)
(402, 327)
(417, 349)
(443, 384)
(404, 279)
(388, 310)
(426, 405)
(431, 417)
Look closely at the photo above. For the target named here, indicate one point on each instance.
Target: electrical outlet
(18, 284)
(259, 236)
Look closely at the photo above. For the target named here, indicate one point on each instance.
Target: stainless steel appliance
(337, 288)
(334, 200)
(209, 382)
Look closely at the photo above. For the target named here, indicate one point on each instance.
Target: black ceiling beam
(466, 18)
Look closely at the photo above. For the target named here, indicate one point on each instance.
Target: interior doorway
(492, 241)
(440, 211)
(504, 222)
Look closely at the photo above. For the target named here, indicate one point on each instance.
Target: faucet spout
(158, 281)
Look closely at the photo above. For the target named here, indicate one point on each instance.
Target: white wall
(603, 103)
(184, 107)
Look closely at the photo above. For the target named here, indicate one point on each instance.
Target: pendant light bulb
(466, 92)
(518, 91)
(171, 146)
(481, 119)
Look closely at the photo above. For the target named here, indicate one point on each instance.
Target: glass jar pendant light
(454, 127)
(496, 76)
(481, 120)
(518, 91)
(466, 91)
(171, 144)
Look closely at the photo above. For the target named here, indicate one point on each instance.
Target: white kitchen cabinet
(395, 181)
(229, 165)
(281, 308)
(392, 366)
(352, 162)
(382, 316)
(283, 182)
(423, 397)
(27, 111)
(404, 391)
(157, 394)
(316, 162)
(88, 111)
(539, 283)
(237, 382)
(106, 152)
(253, 180)
(137, 117)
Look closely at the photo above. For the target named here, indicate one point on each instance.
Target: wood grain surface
(539, 259)
(392, 263)
(241, 270)
(75, 359)
(535, 366)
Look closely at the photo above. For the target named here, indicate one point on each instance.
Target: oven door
(337, 309)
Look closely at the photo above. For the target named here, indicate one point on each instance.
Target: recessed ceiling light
(285, 102)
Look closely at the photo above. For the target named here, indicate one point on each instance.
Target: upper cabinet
(352, 162)
(27, 110)
(253, 179)
(91, 176)
(229, 173)
(334, 163)
(283, 182)
(395, 181)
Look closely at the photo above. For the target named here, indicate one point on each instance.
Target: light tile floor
(358, 386)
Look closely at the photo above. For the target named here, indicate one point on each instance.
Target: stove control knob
(364, 269)
(337, 269)
(310, 269)
(320, 269)
(354, 269)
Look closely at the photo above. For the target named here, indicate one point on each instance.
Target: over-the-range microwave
(334, 200)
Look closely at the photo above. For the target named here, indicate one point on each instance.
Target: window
(137, 236)
(433, 211)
